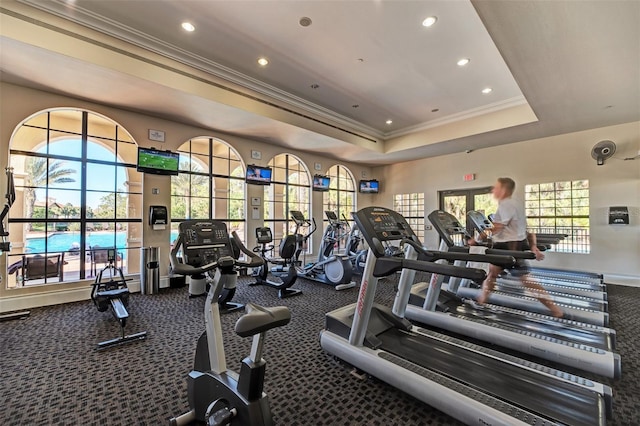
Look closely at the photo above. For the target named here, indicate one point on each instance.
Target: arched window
(77, 194)
(290, 190)
(210, 185)
(341, 197)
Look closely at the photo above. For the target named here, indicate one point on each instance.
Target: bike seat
(112, 294)
(259, 319)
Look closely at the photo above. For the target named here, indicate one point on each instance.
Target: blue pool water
(63, 241)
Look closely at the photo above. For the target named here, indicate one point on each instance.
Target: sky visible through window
(100, 177)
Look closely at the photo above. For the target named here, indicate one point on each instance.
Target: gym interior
(147, 147)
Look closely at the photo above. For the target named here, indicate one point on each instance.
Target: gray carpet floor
(51, 374)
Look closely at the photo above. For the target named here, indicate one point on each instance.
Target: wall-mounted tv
(369, 186)
(321, 183)
(258, 175)
(158, 162)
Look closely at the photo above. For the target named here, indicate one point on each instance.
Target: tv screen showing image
(321, 183)
(157, 162)
(258, 175)
(369, 186)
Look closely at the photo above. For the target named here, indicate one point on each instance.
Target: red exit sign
(469, 177)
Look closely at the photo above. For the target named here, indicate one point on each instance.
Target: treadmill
(567, 281)
(474, 384)
(578, 308)
(578, 345)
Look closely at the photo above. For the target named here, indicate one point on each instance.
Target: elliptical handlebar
(300, 221)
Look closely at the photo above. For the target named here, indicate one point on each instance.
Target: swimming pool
(63, 241)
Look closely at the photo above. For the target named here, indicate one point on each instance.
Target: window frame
(286, 219)
(579, 239)
(212, 174)
(84, 221)
(417, 219)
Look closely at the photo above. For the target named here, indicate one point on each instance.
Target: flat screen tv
(158, 162)
(258, 175)
(369, 186)
(321, 183)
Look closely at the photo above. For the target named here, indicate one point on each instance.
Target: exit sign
(469, 177)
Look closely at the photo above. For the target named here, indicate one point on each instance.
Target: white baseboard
(628, 280)
(57, 297)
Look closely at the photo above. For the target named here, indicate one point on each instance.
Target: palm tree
(38, 174)
(187, 184)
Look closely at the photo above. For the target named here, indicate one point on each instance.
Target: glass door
(460, 201)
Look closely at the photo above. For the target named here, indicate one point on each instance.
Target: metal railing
(578, 239)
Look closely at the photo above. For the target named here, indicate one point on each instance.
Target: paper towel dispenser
(158, 217)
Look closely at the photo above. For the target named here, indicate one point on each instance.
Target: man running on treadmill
(509, 232)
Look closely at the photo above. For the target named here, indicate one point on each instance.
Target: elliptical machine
(356, 253)
(113, 294)
(216, 395)
(286, 251)
(334, 270)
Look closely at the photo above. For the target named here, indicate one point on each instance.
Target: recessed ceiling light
(487, 90)
(464, 61)
(188, 26)
(389, 121)
(429, 21)
(263, 62)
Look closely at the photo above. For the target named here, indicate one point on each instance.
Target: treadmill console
(379, 224)
(447, 226)
(479, 221)
(204, 241)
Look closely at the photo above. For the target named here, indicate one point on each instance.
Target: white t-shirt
(510, 214)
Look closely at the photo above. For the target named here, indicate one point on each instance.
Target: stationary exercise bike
(333, 269)
(286, 251)
(199, 283)
(219, 396)
(112, 292)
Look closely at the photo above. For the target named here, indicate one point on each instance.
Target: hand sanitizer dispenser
(158, 217)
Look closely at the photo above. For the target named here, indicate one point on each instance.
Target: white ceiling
(570, 60)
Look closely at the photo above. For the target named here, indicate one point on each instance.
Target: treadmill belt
(540, 394)
(517, 323)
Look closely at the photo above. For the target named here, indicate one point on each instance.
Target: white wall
(615, 250)
(17, 103)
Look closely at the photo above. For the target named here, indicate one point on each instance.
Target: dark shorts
(521, 267)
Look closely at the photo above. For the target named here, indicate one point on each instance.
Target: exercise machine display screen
(204, 242)
(331, 216)
(447, 225)
(379, 224)
(478, 220)
(297, 216)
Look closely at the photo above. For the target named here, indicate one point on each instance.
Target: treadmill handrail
(512, 253)
(432, 255)
(515, 254)
(388, 265)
